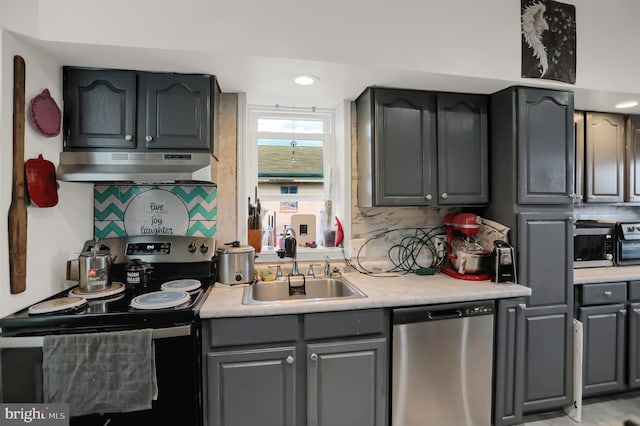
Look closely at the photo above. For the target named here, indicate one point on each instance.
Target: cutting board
(18, 208)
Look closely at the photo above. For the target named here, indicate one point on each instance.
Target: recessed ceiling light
(304, 79)
(628, 104)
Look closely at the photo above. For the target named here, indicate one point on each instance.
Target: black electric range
(172, 258)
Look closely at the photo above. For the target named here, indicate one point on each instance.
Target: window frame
(336, 167)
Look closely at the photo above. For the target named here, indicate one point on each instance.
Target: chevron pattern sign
(111, 202)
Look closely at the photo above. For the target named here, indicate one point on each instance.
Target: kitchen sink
(298, 290)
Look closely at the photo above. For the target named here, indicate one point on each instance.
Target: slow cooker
(236, 263)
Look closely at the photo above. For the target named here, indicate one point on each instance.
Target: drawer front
(329, 325)
(597, 294)
(252, 330)
(634, 290)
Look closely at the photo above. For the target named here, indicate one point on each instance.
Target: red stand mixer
(467, 259)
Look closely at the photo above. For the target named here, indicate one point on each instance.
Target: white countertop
(609, 274)
(387, 291)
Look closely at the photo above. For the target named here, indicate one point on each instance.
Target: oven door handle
(38, 341)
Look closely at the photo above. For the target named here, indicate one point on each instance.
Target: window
(291, 165)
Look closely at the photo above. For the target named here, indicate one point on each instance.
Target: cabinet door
(463, 150)
(509, 367)
(604, 157)
(633, 375)
(548, 358)
(545, 257)
(404, 148)
(603, 348)
(251, 387)
(632, 166)
(578, 124)
(545, 147)
(177, 111)
(99, 109)
(347, 383)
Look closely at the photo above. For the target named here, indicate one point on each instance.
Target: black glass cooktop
(110, 313)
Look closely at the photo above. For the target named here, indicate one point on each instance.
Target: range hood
(138, 167)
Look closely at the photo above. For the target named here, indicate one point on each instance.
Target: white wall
(53, 234)
(458, 37)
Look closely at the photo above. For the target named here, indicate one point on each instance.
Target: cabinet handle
(637, 311)
(149, 138)
(623, 311)
(128, 137)
(444, 195)
(607, 293)
(290, 359)
(522, 306)
(428, 197)
(314, 357)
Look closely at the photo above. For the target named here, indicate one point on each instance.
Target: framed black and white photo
(548, 33)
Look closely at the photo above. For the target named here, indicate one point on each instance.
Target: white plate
(160, 299)
(114, 288)
(181, 285)
(55, 305)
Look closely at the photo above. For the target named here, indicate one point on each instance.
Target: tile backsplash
(122, 210)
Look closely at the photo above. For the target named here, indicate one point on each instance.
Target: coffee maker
(503, 263)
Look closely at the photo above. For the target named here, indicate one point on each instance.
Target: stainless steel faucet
(327, 267)
(290, 248)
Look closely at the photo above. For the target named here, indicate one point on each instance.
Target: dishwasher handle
(442, 312)
(446, 314)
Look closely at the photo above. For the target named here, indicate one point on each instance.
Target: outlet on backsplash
(357, 249)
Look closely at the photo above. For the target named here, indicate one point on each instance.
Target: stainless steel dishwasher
(442, 364)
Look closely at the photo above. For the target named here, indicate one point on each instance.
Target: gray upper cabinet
(546, 153)
(141, 111)
(604, 163)
(632, 168)
(578, 131)
(418, 148)
(177, 111)
(100, 109)
(463, 152)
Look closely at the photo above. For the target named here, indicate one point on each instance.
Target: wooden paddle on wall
(18, 208)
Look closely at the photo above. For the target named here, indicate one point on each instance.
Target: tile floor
(604, 411)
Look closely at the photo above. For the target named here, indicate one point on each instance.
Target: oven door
(628, 252)
(178, 361)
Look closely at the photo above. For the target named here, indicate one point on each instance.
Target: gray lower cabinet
(509, 362)
(633, 375)
(548, 358)
(324, 369)
(604, 335)
(252, 387)
(610, 316)
(344, 385)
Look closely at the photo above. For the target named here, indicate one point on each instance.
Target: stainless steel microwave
(594, 244)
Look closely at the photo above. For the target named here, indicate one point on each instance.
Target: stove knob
(204, 248)
(191, 248)
(631, 228)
